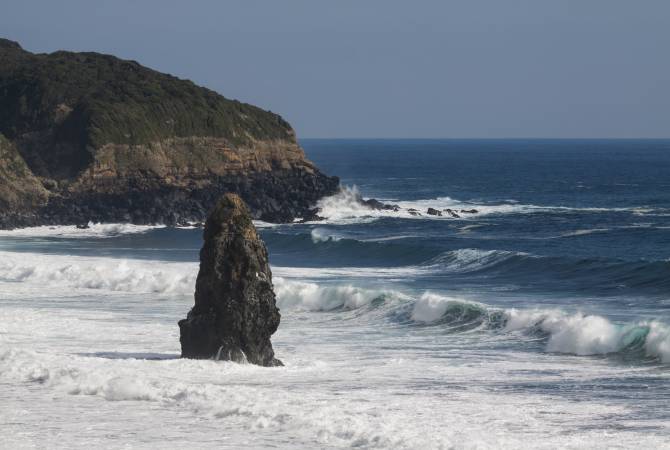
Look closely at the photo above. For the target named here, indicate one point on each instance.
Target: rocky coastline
(87, 137)
(277, 197)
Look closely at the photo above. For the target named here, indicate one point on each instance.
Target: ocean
(539, 320)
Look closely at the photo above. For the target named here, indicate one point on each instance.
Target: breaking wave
(98, 273)
(571, 333)
(576, 333)
(347, 207)
(322, 235)
(315, 297)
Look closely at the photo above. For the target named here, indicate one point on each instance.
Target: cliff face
(20, 190)
(111, 140)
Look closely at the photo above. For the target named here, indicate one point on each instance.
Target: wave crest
(575, 334)
(347, 206)
(315, 297)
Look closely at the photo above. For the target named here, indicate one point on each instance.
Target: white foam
(346, 207)
(99, 230)
(83, 370)
(261, 224)
(658, 341)
(580, 334)
(57, 271)
(430, 307)
(575, 334)
(315, 297)
(134, 275)
(323, 235)
(342, 387)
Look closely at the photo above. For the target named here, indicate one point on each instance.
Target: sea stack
(235, 312)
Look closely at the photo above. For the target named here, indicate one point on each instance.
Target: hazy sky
(386, 68)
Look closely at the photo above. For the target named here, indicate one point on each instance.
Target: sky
(393, 69)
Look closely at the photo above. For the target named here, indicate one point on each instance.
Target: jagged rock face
(235, 312)
(20, 190)
(111, 140)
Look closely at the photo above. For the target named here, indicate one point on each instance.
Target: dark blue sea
(533, 312)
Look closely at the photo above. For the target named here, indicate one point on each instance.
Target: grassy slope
(82, 101)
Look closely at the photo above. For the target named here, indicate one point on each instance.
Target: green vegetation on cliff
(91, 137)
(20, 190)
(62, 106)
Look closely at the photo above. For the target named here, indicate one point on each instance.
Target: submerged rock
(375, 204)
(235, 312)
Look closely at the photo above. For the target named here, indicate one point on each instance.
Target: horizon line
(490, 138)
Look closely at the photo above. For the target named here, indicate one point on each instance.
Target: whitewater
(540, 321)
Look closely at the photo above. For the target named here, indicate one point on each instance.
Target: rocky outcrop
(235, 312)
(379, 206)
(104, 139)
(20, 190)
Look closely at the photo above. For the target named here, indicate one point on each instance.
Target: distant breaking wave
(345, 207)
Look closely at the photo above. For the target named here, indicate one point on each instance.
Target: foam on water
(108, 274)
(327, 395)
(323, 235)
(431, 307)
(97, 230)
(570, 333)
(580, 334)
(346, 207)
(349, 380)
(314, 297)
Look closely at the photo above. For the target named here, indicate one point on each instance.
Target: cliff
(96, 138)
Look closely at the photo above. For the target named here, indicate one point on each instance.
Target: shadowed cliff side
(110, 140)
(235, 311)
